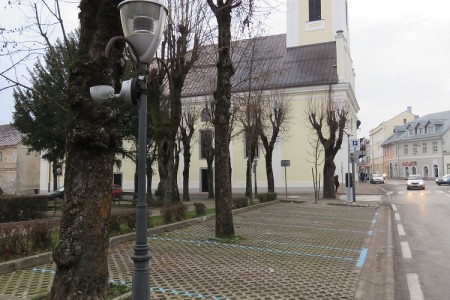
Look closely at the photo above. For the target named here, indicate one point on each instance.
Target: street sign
(355, 145)
(285, 163)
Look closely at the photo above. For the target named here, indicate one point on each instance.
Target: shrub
(174, 212)
(266, 197)
(239, 202)
(200, 209)
(114, 224)
(130, 219)
(15, 208)
(41, 236)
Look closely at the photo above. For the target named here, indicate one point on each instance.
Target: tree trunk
(55, 175)
(269, 171)
(222, 115)
(187, 165)
(210, 171)
(167, 172)
(92, 130)
(328, 174)
(248, 179)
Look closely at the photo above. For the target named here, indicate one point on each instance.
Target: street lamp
(142, 23)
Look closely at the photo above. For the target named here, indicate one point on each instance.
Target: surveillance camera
(129, 91)
(102, 93)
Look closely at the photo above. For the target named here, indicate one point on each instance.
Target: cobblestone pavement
(286, 251)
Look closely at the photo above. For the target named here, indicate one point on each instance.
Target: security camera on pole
(143, 23)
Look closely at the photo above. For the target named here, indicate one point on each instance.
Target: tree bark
(92, 139)
(328, 176)
(269, 171)
(187, 164)
(248, 179)
(222, 97)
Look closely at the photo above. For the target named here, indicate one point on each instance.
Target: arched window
(435, 171)
(425, 171)
(414, 170)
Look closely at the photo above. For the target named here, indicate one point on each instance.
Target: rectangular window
(411, 132)
(405, 149)
(1, 157)
(314, 10)
(206, 140)
(435, 147)
(421, 130)
(414, 148)
(424, 148)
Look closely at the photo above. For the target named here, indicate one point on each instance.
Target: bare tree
(328, 118)
(190, 117)
(222, 97)
(180, 49)
(275, 116)
(317, 159)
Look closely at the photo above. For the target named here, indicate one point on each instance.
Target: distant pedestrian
(336, 182)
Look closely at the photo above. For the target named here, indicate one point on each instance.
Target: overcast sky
(400, 51)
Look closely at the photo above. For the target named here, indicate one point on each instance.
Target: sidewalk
(289, 250)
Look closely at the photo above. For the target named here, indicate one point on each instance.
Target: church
(310, 60)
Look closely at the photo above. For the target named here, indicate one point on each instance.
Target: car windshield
(376, 175)
(414, 177)
(446, 176)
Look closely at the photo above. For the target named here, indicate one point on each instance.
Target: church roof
(268, 63)
(9, 136)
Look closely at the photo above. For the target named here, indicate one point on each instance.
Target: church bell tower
(315, 21)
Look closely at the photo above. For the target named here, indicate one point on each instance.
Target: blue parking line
(259, 249)
(362, 257)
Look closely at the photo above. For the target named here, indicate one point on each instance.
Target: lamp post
(142, 23)
(348, 177)
(442, 149)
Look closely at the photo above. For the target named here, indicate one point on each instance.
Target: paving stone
(287, 251)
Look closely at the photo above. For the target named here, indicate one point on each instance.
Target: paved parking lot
(287, 250)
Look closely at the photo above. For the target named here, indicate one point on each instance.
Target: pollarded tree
(180, 49)
(190, 117)
(275, 116)
(223, 10)
(328, 118)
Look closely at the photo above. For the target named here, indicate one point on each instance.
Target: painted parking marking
(401, 230)
(394, 207)
(362, 257)
(440, 192)
(406, 251)
(397, 216)
(415, 291)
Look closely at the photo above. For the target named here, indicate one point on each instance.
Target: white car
(415, 182)
(376, 178)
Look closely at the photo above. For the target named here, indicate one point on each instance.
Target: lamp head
(143, 24)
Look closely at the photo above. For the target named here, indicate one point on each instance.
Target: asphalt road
(421, 240)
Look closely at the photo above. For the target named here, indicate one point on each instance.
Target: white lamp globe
(143, 23)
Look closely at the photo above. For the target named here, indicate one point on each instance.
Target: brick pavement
(288, 250)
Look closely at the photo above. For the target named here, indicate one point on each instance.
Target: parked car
(443, 180)
(415, 182)
(376, 178)
(58, 194)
